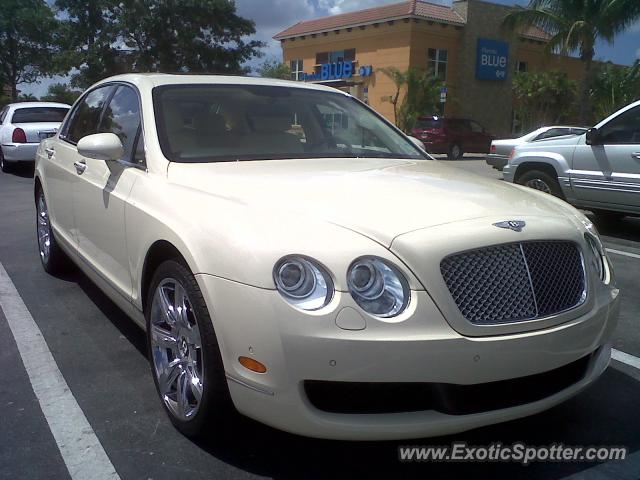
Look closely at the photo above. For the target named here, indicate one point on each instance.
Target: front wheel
(183, 352)
(542, 181)
(53, 258)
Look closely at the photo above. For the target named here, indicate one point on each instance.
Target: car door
(479, 138)
(102, 191)
(609, 171)
(58, 168)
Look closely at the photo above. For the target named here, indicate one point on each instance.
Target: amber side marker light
(253, 365)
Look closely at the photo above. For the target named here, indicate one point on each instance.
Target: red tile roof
(412, 8)
(535, 33)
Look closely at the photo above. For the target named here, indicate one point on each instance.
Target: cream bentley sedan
(293, 256)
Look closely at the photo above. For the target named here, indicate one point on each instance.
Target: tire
(177, 360)
(54, 260)
(455, 152)
(539, 180)
(4, 165)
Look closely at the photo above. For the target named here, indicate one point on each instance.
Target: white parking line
(80, 448)
(625, 358)
(620, 252)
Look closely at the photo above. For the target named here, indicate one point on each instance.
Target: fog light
(253, 365)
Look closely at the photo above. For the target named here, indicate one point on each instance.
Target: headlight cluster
(376, 286)
(303, 283)
(599, 259)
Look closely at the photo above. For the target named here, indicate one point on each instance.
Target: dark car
(452, 136)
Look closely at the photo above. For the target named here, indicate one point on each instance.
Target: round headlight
(303, 283)
(379, 288)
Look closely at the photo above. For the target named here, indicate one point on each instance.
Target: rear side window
(39, 114)
(428, 123)
(3, 114)
(86, 116)
(122, 117)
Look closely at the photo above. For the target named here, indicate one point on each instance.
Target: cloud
(635, 28)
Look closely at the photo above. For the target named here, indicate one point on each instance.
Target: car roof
(38, 104)
(151, 80)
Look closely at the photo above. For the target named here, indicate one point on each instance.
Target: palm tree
(399, 80)
(575, 25)
(422, 92)
(614, 86)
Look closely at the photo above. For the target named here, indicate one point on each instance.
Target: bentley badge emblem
(515, 225)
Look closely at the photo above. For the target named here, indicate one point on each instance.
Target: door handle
(50, 152)
(80, 167)
(636, 155)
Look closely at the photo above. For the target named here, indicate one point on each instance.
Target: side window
(3, 114)
(86, 117)
(476, 127)
(122, 117)
(624, 129)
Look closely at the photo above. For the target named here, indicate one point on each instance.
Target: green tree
(575, 25)
(613, 87)
(543, 98)
(272, 68)
(88, 35)
(27, 97)
(205, 36)
(27, 36)
(421, 93)
(59, 92)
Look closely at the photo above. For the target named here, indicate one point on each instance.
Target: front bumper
(419, 347)
(19, 152)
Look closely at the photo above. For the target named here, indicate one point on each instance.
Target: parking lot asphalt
(101, 355)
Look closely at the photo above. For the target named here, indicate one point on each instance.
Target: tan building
(464, 45)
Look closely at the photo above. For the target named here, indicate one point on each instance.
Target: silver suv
(599, 170)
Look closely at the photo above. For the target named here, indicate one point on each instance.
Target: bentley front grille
(516, 282)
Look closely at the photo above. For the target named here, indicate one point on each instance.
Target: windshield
(211, 123)
(39, 114)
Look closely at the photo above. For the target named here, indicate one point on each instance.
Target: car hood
(379, 198)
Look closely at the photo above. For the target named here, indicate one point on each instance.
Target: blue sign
(492, 61)
(337, 71)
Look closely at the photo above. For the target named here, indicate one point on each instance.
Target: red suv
(452, 136)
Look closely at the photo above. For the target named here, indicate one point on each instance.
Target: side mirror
(101, 146)
(593, 136)
(418, 143)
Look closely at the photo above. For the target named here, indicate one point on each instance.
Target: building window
(297, 70)
(438, 63)
(521, 66)
(348, 55)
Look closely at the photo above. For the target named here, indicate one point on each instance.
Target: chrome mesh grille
(515, 282)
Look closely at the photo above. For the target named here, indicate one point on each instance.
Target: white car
(294, 256)
(500, 150)
(23, 126)
(598, 170)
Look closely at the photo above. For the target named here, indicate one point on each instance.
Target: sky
(272, 16)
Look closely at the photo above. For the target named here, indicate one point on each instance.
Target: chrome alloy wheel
(176, 347)
(538, 184)
(44, 229)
